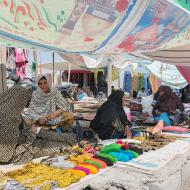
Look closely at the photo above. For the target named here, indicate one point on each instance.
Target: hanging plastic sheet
(168, 74)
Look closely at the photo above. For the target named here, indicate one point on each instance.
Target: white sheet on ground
(155, 160)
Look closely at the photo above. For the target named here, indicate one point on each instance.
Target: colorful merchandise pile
(61, 171)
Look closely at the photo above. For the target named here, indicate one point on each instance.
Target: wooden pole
(69, 73)
(53, 56)
(109, 75)
(3, 79)
(35, 55)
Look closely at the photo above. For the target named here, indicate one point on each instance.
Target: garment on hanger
(134, 82)
(146, 83)
(140, 83)
(154, 83)
(21, 58)
(127, 82)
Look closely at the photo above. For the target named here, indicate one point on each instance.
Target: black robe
(109, 112)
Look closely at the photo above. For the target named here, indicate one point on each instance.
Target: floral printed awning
(91, 26)
(184, 4)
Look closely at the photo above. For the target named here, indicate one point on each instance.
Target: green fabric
(94, 163)
(140, 83)
(110, 148)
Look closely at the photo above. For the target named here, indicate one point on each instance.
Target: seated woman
(110, 120)
(186, 95)
(48, 107)
(22, 145)
(168, 107)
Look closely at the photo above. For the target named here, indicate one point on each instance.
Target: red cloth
(185, 71)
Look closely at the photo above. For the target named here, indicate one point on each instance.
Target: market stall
(90, 33)
(165, 166)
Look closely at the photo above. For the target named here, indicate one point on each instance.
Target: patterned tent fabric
(185, 71)
(184, 4)
(90, 26)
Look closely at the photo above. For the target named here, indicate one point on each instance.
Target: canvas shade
(184, 4)
(176, 56)
(185, 71)
(91, 26)
(168, 74)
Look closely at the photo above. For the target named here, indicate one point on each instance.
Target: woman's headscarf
(111, 111)
(167, 93)
(47, 77)
(117, 97)
(167, 102)
(42, 104)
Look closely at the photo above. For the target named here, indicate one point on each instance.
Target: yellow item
(33, 175)
(115, 73)
(80, 158)
(77, 172)
(154, 83)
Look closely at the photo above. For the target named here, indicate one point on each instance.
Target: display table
(173, 173)
(167, 168)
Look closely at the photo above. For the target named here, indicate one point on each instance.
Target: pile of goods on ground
(72, 164)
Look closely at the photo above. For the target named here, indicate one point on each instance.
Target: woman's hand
(54, 115)
(43, 120)
(128, 132)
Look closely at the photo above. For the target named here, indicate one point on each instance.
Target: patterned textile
(43, 104)
(127, 82)
(187, 109)
(98, 26)
(12, 102)
(16, 146)
(67, 119)
(44, 144)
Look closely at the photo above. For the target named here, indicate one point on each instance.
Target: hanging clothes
(127, 82)
(115, 73)
(134, 82)
(146, 86)
(149, 85)
(21, 59)
(140, 83)
(154, 83)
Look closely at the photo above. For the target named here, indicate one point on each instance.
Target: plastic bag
(147, 104)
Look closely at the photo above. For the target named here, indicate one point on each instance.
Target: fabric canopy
(184, 4)
(176, 56)
(168, 74)
(185, 71)
(91, 26)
